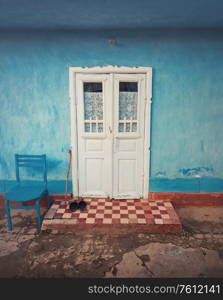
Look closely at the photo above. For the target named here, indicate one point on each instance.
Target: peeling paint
(160, 174)
(197, 172)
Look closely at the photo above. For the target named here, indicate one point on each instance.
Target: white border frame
(73, 114)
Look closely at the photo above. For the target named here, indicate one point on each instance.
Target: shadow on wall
(32, 174)
(4, 170)
(52, 165)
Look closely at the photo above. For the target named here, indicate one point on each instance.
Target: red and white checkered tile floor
(138, 214)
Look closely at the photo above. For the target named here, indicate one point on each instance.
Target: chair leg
(8, 214)
(49, 202)
(39, 219)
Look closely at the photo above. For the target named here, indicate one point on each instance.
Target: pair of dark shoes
(75, 205)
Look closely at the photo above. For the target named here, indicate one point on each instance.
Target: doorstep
(113, 216)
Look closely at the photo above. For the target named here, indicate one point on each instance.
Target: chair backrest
(31, 161)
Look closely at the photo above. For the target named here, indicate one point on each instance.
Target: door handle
(110, 130)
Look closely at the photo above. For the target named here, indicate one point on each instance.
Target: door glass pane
(93, 106)
(134, 127)
(100, 127)
(121, 127)
(128, 101)
(128, 127)
(93, 127)
(87, 127)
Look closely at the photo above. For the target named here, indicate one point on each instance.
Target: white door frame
(73, 115)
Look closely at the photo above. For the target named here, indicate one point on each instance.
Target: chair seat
(25, 193)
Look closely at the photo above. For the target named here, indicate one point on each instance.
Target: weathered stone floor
(196, 252)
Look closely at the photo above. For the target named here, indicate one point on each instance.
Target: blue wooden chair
(23, 192)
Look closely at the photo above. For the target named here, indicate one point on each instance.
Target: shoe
(82, 205)
(74, 206)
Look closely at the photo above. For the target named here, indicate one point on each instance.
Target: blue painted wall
(187, 109)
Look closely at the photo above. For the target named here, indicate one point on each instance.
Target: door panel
(126, 174)
(93, 142)
(94, 175)
(129, 94)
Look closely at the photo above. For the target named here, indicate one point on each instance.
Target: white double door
(110, 134)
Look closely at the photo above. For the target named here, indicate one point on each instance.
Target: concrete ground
(196, 252)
